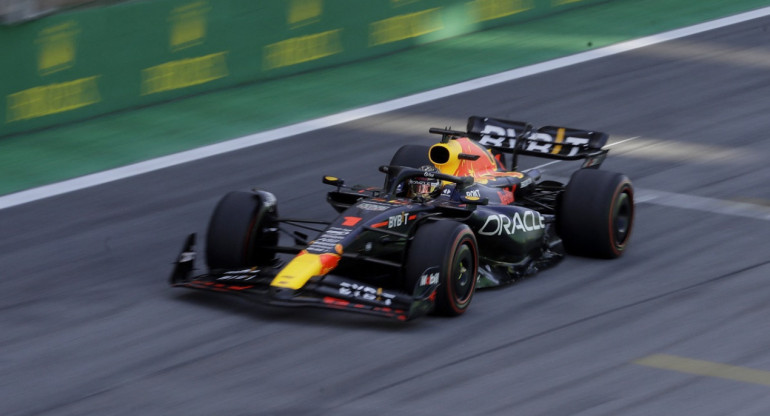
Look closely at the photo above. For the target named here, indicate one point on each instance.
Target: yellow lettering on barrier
(302, 12)
(188, 25)
(184, 73)
(405, 26)
(495, 9)
(57, 47)
(51, 99)
(303, 49)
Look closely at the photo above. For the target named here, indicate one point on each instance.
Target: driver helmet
(424, 186)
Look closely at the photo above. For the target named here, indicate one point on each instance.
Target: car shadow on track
(288, 315)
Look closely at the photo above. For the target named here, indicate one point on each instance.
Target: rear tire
(238, 229)
(450, 249)
(596, 213)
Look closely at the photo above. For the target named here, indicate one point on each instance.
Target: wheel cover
(622, 219)
(462, 274)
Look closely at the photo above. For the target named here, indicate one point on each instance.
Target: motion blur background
(15, 11)
(73, 59)
(246, 66)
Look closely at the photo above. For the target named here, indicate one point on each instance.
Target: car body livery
(449, 219)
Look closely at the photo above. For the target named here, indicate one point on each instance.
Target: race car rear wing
(521, 138)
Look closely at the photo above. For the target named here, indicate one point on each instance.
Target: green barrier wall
(89, 62)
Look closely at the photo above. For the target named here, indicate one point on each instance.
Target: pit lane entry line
(705, 368)
(136, 169)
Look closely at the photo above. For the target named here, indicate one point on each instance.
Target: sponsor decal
(495, 136)
(428, 174)
(428, 279)
(351, 221)
(500, 224)
(246, 274)
(501, 137)
(328, 241)
(368, 206)
(400, 219)
(220, 287)
(365, 292)
(475, 193)
(556, 148)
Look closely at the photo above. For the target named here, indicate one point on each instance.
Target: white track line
(687, 201)
(703, 204)
(100, 178)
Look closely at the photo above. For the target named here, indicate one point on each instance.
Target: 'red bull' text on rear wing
(521, 138)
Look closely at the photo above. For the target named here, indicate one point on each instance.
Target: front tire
(448, 248)
(596, 213)
(240, 228)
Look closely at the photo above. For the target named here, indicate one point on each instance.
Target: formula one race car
(449, 219)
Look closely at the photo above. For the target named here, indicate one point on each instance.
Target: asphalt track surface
(90, 327)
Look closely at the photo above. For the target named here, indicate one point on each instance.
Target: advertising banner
(83, 63)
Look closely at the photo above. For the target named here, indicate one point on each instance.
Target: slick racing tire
(444, 252)
(596, 213)
(240, 228)
(411, 156)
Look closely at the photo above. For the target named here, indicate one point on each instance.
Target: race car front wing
(327, 291)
